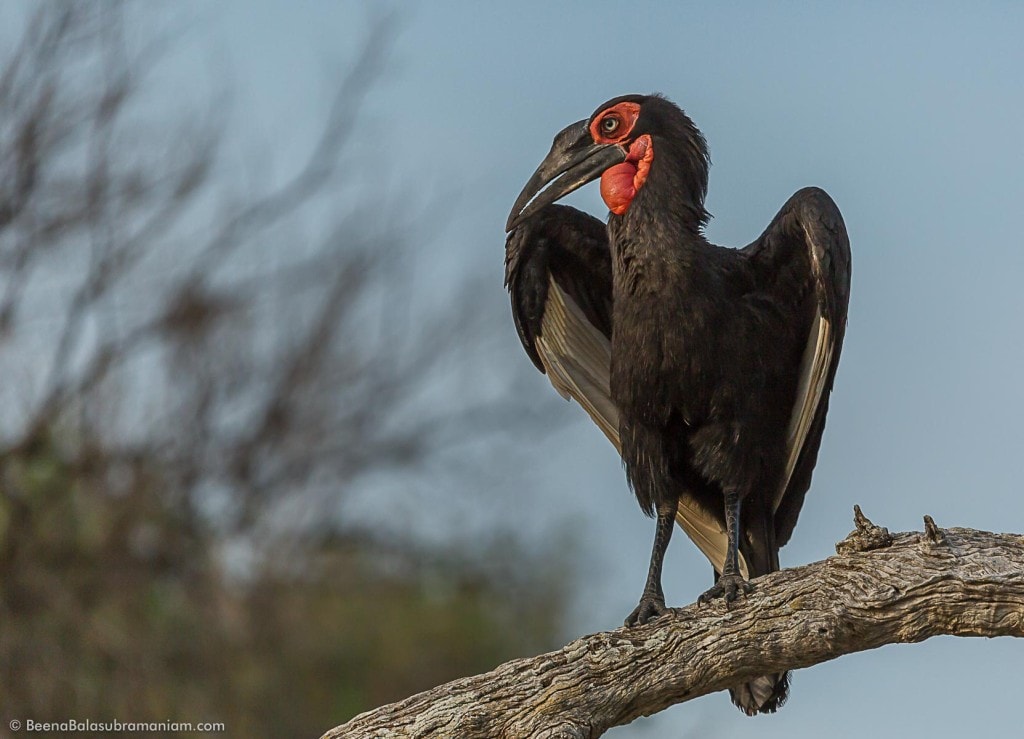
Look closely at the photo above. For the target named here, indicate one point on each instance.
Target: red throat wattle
(620, 184)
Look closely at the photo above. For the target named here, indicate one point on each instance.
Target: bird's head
(630, 142)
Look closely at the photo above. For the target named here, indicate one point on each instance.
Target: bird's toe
(728, 587)
(649, 608)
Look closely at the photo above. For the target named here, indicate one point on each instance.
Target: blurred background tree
(202, 379)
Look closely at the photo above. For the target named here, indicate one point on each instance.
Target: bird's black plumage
(709, 368)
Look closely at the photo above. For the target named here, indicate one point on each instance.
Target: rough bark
(880, 589)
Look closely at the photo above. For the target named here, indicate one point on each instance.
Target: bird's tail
(765, 694)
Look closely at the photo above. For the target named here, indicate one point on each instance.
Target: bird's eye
(610, 124)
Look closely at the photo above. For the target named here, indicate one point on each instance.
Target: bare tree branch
(880, 589)
(204, 377)
(263, 381)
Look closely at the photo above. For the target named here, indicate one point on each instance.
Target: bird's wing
(806, 246)
(558, 273)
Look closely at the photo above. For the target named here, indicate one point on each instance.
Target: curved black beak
(575, 160)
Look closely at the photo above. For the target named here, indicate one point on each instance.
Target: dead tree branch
(880, 589)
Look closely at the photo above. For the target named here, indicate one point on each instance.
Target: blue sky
(909, 114)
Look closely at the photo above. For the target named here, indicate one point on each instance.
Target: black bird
(708, 368)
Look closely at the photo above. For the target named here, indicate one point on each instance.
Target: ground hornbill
(708, 368)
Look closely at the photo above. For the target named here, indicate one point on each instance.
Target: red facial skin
(619, 184)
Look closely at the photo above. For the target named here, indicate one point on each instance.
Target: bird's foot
(650, 607)
(728, 587)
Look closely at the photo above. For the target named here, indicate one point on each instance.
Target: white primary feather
(814, 366)
(577, 358)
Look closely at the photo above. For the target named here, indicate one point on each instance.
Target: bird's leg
(730, 582)
(652, 603)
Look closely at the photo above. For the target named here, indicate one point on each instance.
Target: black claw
(728, 587)
(649, 608)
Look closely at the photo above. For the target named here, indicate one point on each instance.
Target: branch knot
(933, 533)
(865, 537)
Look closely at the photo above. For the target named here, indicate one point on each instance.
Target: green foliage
(114, 604)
